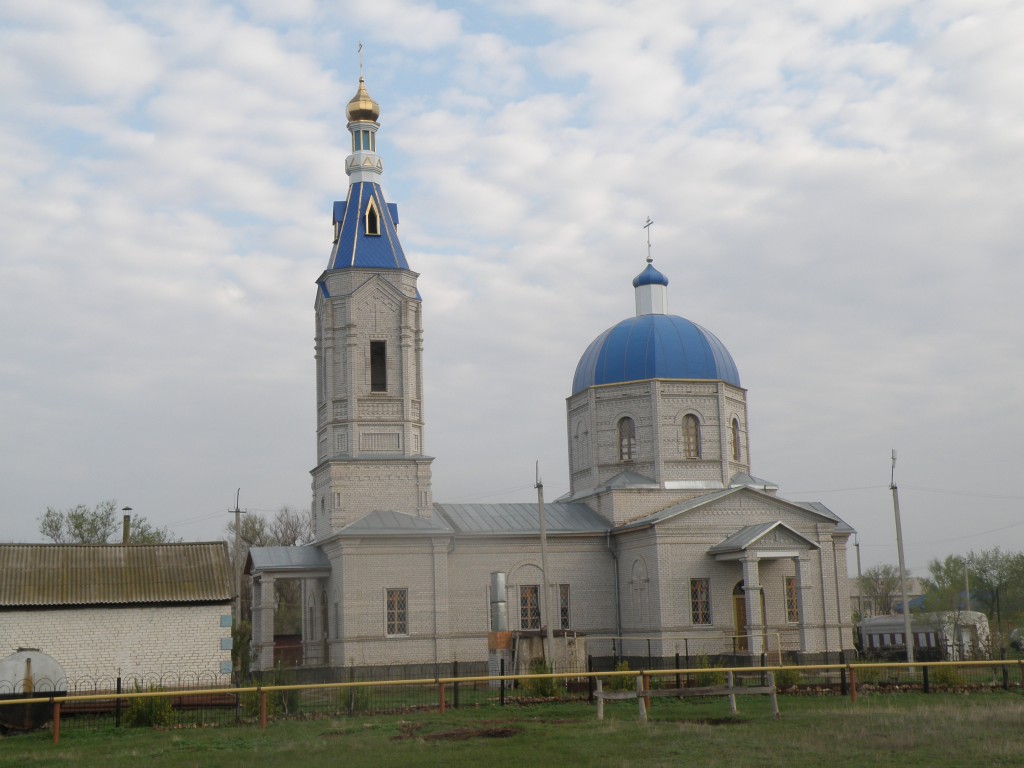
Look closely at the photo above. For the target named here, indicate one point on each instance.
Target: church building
(666, 542)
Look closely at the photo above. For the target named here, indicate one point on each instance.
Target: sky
(835, 189)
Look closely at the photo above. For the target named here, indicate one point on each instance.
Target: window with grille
(529, 606)
(398, 612)
(792, 606)
(736, 452)
(691, 437)
(372, 220)
(563, 605)
(700, 601)
(627, 439)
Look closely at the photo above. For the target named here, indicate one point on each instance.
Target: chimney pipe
(126, 526)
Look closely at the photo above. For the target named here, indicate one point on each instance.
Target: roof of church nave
(654, 346)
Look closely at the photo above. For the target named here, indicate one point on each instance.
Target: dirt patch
(474, 733)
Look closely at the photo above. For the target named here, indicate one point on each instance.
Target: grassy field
(899, 730)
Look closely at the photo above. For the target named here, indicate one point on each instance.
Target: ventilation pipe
(126, 525)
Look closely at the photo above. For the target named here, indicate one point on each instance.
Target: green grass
(897, 730)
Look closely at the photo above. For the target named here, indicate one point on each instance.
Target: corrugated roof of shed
(114, 574)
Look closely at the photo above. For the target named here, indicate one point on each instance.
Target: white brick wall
(130, 641)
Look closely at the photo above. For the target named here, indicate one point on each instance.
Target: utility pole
(544, 570)
(238, 565)
(908, 636)
(967, 585)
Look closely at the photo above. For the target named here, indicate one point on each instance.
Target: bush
(543, 687)
(621, 682)
(149, 711)
(787, 678)
(278, 702)
(869, 676)
(352, 700)
(710, 678)
(944, 677)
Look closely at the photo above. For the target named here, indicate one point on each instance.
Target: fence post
(773, 696)
(842, 682)
(56, 722)
(641, 699)
(732, 696)
(351, 691)
(455, 685)
(501, 689)
(590, 679)
(117, 705)
(1006, 674)
(263, 708)
(679, 678)
(853, 684)
(925, 681)
(647, 687)
(440, 698)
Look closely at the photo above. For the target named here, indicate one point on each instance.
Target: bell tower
(369, 349)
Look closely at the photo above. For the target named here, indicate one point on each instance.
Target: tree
(996, 580)
(944, 587)
(288, 528)
(98, 525)
(880, 585)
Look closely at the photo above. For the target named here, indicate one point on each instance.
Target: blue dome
(654, 347)
(650, 276)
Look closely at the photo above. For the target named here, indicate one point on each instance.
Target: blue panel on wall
(225, 643)
(225, 667)
(225, 620)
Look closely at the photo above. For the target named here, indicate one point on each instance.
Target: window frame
(691, 436)
(564, 606)
(396, 612)
(700, 602)
(792, 600)
(529, 598)
(626, 438)
(378, 366)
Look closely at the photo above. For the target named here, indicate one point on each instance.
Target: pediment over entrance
(767, 540)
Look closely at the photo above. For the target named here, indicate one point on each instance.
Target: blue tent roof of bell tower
(356, 248)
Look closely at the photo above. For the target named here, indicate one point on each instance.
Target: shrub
(620, 682)
(709, 678)
(149, 711)
(540, 686)
(352, 700)
(787, 678)
(278, 702)
(945, 677)
(869, 676)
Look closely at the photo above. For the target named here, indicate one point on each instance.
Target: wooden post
(732, 696)
(853, 684)
(263, 709)
(600, 700)
(440, 697)
(56, 722)
(641, 706)
(773, 696)
(647, 687)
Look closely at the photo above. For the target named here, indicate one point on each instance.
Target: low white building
(665, 544)
(131, 610)
(949, 635)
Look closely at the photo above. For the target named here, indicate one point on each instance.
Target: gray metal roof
(560, 517)
(114, 574)
(389, 522)
(821, 509)
(745, 537)
(305, 558)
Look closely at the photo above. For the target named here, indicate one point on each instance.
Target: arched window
(736, 453)
(372, 219)
(691, 437)
(627, 439)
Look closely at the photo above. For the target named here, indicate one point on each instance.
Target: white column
(803, 591)
(263, 621)
(752, 591)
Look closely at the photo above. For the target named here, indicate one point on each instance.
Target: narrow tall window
(700, 601)
(398, 612)
(627, 439)
(563, 605)
(792, 606)
(378, 366)
(736, 453)
(529, 607)
(691, 437)
(372, 220)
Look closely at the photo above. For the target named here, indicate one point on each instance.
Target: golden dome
(362, 107)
